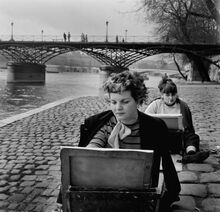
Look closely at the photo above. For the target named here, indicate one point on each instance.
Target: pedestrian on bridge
(83, 38)
(68, 36)
(64, 36)
(116, 39)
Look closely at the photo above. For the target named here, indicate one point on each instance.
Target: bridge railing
(78, 38)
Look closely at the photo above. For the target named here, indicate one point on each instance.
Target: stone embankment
(30, 151)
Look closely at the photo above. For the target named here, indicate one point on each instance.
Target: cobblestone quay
(30, 149)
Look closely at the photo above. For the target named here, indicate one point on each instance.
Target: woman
(124, 126)
(170, 103)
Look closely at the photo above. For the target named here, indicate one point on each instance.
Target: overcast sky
(54, 17)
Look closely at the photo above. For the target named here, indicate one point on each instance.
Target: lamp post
(106, 40)
(42, 35)
(126, 31)
(12, 39)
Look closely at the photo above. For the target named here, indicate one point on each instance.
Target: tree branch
(200, 15)
(178, 67)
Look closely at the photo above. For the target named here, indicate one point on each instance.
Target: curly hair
(167, 86)
(127, 81)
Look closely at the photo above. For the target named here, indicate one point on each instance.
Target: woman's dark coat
(153, 136)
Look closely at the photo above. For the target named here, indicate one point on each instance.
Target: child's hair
(167, 86)
(127, 81)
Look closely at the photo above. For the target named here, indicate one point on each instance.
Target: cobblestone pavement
(30, 147)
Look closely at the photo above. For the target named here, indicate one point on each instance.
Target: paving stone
(39, 207)
(39, 158)
(27, 190)
(211, 204)
(55, 192)
(13, 206)
(9, 166)
(212, 160)
(48, 192)
(3, 204)
(42, 185)
(29, 177)
(3, 183)
(41, 172)
(27, 172)
(18, 166)
(33, 194)
(3, 161)
(3, 189)
(52, 162)
(3, 176)
(214, 189)
(22, 162)
(40, 200)
(30, 207)
(41, 162)
(50, 158)
(2, 157)
(21, 207)
(16, 198)
(187, 176)
(213, 177)
(14, 177)
(54, 168)
(42, 167)
(2, 165)
(200, 167)
(12, 190)
(29, 166)
(54, 185)
(12, 158)
(3, 196)
(198, 190)
(27, 183)
(4, 171)
(22, 158)
(15, 171)
(12, 183)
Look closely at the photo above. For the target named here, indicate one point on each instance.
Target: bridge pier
(195, 76)
(25, 73)
(105, 72)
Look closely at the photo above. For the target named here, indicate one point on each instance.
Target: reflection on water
(23, 94)
(17, 98)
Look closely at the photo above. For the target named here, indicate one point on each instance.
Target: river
(15, 99)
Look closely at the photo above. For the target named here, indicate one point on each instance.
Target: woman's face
(124, 107)
(169, 99)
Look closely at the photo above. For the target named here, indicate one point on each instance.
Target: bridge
(33, 55)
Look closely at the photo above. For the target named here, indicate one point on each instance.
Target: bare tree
(185, 21)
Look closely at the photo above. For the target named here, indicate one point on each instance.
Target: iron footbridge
(117, 54)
